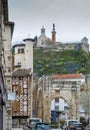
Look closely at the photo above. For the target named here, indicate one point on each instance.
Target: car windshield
(71, 122)
(77, 125)
(43, 127)
(34, 121)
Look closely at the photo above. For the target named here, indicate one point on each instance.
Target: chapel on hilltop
(44, 42)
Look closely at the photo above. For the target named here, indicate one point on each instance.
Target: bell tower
(42, 30)
(53, 34)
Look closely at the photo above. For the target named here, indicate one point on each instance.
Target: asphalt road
(57, 129)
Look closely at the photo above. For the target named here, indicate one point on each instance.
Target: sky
(71, 18)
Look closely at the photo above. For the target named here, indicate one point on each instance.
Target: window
(23, 121)
(19, 90)
(25, 91)
(25, 102)
(42, 43)
(74, 83)
(65, 108)
(15, 106)
(9, 69)
(14, 122)
(21, 50)
(25, 108)
(18, 50)
(74, 88)
(9, 58)
(8, 81)
(25, 85)
(56, 107)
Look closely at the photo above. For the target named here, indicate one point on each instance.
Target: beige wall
(7, 70)
(29, 54)
(19, 58)
(25, 59)
(45, 97)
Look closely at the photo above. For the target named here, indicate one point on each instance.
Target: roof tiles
(67, 76)
(21, 72)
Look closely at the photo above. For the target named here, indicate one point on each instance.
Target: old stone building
(22, 55)
(22, 82)
(41, 98)
(6, 31)
(44, 42)
(84, 45)
(48, 92)
(22, 106)
(67, 87)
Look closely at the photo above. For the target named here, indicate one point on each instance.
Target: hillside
(51, 61)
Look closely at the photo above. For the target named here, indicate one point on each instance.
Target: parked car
(76, 126)
(68, 123)
(32, 121)
(42, 126)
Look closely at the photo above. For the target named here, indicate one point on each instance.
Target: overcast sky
(71, 18)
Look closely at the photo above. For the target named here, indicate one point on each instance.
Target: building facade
(67, 89)
(6, 31)
(8, 69)
(22, 55)
(41, 98)
(57, 97)
(44, 42)
(22, 82)
(22, 106)
(84, 45)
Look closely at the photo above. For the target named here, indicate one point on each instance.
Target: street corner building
(6, 31)
(22, 86)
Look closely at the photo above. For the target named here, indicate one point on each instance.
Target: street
(29, 129)
(57, 129)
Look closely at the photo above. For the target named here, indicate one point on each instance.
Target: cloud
(70, 16)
